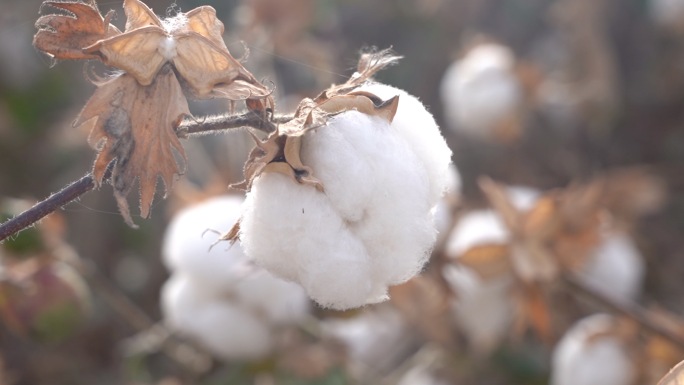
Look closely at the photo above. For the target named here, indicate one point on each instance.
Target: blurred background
(533, 93)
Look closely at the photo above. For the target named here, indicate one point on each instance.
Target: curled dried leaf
(63, 36)
(135, 126)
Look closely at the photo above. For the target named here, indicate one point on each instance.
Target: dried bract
(139, 111)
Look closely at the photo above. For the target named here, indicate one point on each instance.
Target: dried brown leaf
(63, 36)
(135, 125)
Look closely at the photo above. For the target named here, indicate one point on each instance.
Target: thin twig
(47, 206)
(629, 309)
(189, 127)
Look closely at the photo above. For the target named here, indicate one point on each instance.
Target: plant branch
(42, 209)
(188, 128)
(209, 124)
(631, 310)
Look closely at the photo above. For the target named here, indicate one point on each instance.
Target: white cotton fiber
(187, 245)
(219, 325)
(373, 226)
(588, 355)
(451, 196)
(616, 267)
(479, 227)
(481, 91)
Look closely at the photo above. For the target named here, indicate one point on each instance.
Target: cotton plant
(342, 198)
(451, 198)
(216, 295)
(594, 351)
(482, 95)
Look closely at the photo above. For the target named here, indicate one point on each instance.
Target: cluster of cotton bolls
(484, 309)
(373, 227)
(215, 295)
(482, 94)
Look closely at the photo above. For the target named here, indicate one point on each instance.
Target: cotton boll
(188, 250)
(224, 328)
(280, 301)
(585, 356)
(483, 310)
(480, 92)
(373, 226)
(476, 228)
(616, 267)
(668, 14)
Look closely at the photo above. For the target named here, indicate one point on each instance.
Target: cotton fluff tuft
(373, 227)
(582, 358)
(216, 296)
(481, 91)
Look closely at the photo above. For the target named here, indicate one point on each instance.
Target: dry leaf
(135, 126)
(65, 36)
(138, 112)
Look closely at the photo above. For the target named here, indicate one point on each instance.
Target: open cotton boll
(186, 249)
(373, 226)
(226, 329)
(616, 267)
(481, 91)
(585, 356)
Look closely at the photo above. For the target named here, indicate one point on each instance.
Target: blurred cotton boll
(668, 14)
(616, 267)
(592, 353)
(216, 296)
(187, 246)
(483, 309)
(223, 327)
(375, 340)
(373, 226)
(482, 95)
